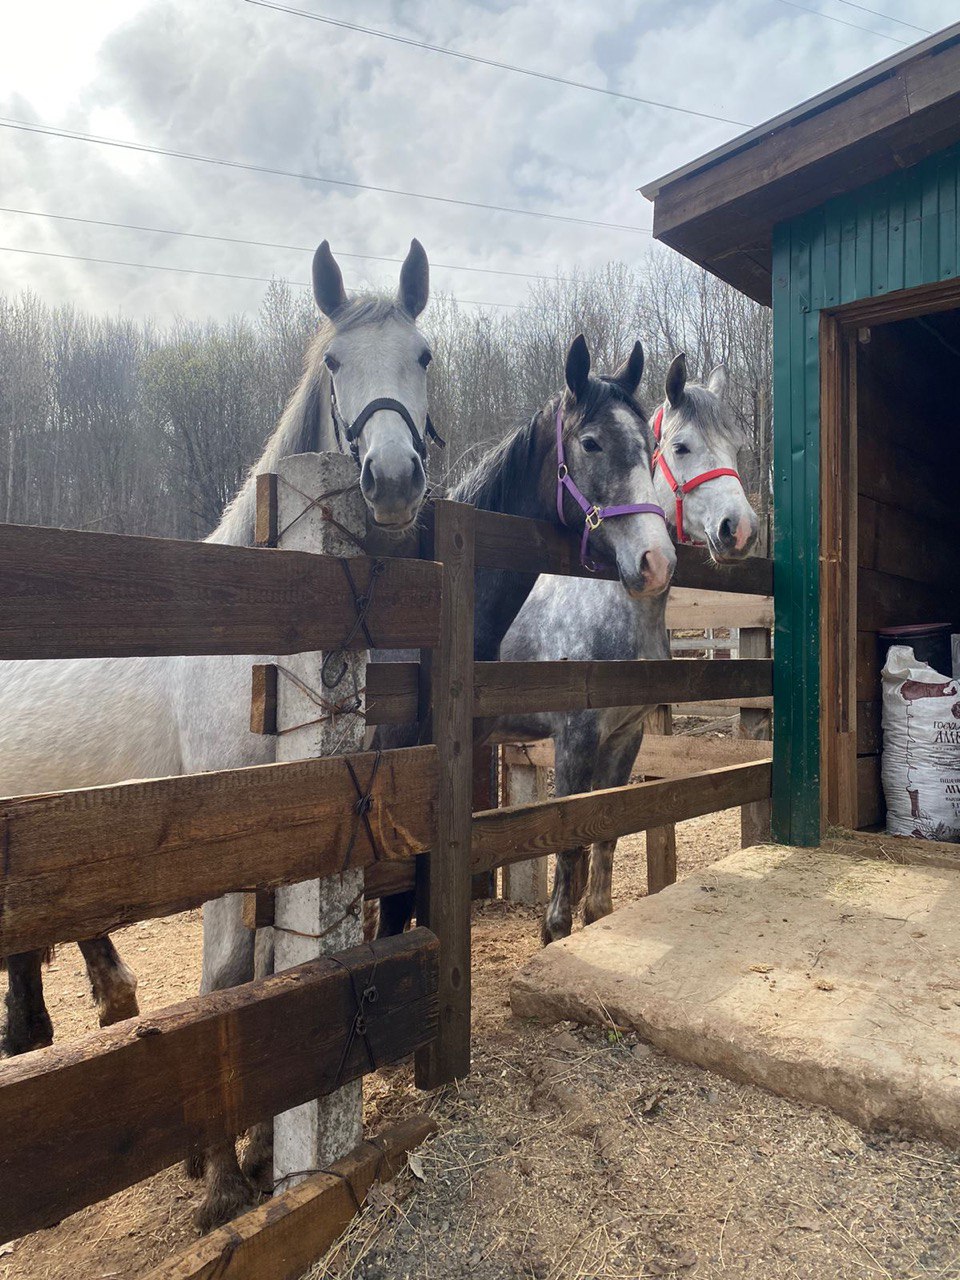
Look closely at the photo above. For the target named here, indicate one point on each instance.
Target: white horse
(91, 722)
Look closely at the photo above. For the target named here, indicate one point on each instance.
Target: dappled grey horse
(593, 620)
(584, 461)
(66, 724)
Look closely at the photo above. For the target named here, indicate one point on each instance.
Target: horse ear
(676, 379)
(717, 382)
(414, 280)
(328, 287)
(631, 371)
(577, 370)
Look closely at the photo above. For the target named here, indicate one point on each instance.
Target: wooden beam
(659, 757)
(79, 863)
(661, 842)
(65, 594)
(884, 600)
(444, 890)
(392, 692)
(756, 733)
(506, 688)
(501, 836)
(140, 1095)
(691, 610)
(283, 1237)
(534, 546)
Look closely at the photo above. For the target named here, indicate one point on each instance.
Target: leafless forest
(115, 425)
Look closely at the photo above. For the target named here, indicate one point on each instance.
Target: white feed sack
(921, 748)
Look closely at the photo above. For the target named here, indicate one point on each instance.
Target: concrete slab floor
(822, 976)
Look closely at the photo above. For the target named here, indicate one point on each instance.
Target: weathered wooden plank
(756, 731)
(510, 835)
(263, 698)
(445, 889)
(534, 546)
(692, 610)
(504, 688)
(281, 1238)
(392, 692)
(79, 863)
(136, 1097)
(907, 544)
(65, 594)
(524, 782)
(661, 842)
(660, 756)
(869, 727)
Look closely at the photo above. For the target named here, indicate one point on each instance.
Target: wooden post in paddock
(444, 882)
(758, 725)
(661, 842)
(317, 917)
(524, 782)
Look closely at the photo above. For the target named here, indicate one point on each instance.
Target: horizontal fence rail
(516, 688)
(502, 836)
(77, 864)
(83, 1121)
(660, 756)
(534, 546)
(65, 594)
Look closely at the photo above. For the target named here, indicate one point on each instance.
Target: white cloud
(228, 79)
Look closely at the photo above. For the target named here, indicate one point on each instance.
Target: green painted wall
(895, 234)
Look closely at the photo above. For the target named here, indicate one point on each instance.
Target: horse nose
(657, 570)
(393, 488)
(737, 534)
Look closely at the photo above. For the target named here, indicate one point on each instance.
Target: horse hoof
(256, 1163)
(231, 1197)
(23, 1037)
(553, 931)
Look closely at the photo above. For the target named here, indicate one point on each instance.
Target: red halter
(680, 490)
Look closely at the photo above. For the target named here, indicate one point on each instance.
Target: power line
(75, 135)
(888, 17)
(487, 62)
(844, 23)
(263, 244)
(196, 271)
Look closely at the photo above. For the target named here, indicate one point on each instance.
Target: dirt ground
(568, 1154)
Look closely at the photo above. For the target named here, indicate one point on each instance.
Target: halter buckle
(594, 519)
(562, 472)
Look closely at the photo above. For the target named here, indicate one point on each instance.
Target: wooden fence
(82, 1121)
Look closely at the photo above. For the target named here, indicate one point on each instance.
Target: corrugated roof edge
(846, 89)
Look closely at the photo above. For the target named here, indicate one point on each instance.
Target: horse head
(696, 475)
(377, 359)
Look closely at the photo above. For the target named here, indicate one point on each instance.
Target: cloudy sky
(237, 81)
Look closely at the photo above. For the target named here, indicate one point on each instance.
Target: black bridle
(349, 432)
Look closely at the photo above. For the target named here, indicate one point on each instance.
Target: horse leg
(396, 912)
(28, 1023)
(114, 985)
(228, 960)
(599, 900)
(614, 766)
(575, 750)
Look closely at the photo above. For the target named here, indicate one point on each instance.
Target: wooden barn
(842, 216)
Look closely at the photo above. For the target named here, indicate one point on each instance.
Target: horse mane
(708, 414)
(299, 428)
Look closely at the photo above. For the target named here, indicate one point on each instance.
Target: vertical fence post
(318, 916)
(524, 783)
(754, 723)
(486, 795)
(661, 841)
(444, 880)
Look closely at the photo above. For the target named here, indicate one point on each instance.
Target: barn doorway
(890, 517)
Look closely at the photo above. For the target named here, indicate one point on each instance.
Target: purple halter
(594, 516)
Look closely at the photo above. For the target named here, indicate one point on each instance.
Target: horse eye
(331, 361)
(590, 445)
(680, 450)
(425, 358)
